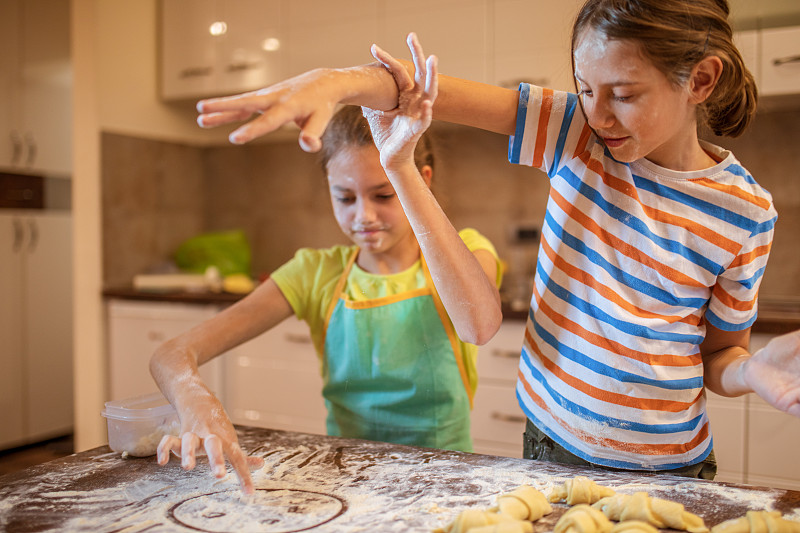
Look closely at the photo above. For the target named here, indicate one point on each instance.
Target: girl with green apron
(393, 369)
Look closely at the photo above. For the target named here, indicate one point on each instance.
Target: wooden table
(320, 483)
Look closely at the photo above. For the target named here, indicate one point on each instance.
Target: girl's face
(631, 105)
(365, 204)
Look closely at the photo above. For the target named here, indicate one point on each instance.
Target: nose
(598, 112)
(365, 211)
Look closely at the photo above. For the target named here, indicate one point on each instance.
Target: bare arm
(773, 372)
(309, 101)
(174, 367)
(466, 282)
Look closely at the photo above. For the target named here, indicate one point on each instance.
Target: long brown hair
(348, 127)
(675, 35)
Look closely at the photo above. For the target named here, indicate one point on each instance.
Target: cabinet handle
(30, 143)
(155, 336)
(502, 417)
(195, 72)
(19, 235)
(506, 354)
(239, 67)
(298, 338)
(786, 60)
(16, 143)
(33, 229)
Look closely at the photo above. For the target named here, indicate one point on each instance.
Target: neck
(399, 258)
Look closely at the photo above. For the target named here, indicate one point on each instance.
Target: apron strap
(337, 293)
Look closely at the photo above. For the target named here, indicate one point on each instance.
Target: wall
(157, 194)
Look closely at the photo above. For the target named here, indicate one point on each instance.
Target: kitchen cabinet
(136, 329)
(773, 57)
(497, 421)
(274, 381)
(35, 90)
(271, 381)
(780, 61)
(215, 47)
(480, 40)
(35, 326)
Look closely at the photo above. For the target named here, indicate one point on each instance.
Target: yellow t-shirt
(309, 279)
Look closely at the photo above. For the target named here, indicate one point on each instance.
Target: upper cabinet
(217, 47)
(773, 57)
(36, 87)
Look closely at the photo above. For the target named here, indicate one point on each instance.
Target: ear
(705, 76)
(427, 174)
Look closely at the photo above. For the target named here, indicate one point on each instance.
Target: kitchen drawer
(499, 358)
(772, 442)
(274, 381)
(728, 418)
(780, 61)
(496, 416)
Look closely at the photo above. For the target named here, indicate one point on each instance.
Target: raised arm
(309, 100)
(204, 423)
(465, 281)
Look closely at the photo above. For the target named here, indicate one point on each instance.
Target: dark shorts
(540, 447)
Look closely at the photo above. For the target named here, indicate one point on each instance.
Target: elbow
(483, 328)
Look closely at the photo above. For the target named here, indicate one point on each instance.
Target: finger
(240, 464)
(189, 443)
(432, 79)
(398, 71)
(418, 57)
(168, 444)
(210, 120)
(312, 129)
(216, 455)
(252, 100)
(263, 124)
(254, 462)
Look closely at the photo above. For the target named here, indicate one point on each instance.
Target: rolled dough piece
(655, 511)
(517, 526)
(758, 522)
(579, 489)
(583, 518)
(470, 519)
(524, 503)
(633, 526)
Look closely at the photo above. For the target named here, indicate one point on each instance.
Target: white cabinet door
(48, 324)
(37, 87)
(532, 43)
(780, 61)
(35, 326)
(136, 329)
(497, 420)
(12, 430)
(216, 47)
(454, 30)
(274, 381)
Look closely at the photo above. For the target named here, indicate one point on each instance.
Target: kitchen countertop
(320, 483)
(773, 317)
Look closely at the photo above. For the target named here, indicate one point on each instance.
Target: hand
(208, 426)
(396, 132)
(307, 100)
(773, 373)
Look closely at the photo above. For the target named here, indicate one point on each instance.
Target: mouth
(614, 142)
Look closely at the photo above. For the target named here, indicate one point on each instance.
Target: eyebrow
(619, 83)
(339, 188)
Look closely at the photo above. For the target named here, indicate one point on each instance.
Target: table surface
(321, 483)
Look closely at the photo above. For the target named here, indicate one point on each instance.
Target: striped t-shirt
(634, 258)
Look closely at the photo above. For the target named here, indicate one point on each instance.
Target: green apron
(393, 369)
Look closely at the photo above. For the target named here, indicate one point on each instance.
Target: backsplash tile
(157, 194)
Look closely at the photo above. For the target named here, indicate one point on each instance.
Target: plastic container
(136, 425)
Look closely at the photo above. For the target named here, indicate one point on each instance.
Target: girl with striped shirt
(653, 244)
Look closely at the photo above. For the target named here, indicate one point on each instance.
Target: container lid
(138, 407)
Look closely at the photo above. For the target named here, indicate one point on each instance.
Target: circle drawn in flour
(273, 510)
